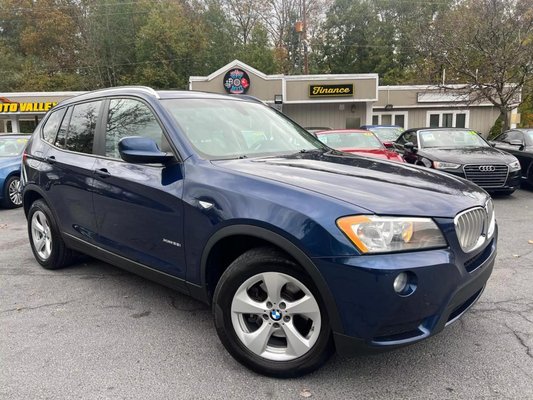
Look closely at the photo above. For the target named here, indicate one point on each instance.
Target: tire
(287, 344)
(46, 243)
(12, 198)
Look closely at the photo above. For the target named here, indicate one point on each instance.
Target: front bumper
(375, 317)
(512, 181)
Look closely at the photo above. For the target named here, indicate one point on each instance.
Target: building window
(448, 119)
(390, 118)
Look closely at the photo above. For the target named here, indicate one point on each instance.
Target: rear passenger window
(128, 117)
(52, 125)
(80, 133)
(61, 138)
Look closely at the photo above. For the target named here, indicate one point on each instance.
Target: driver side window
(129, 117)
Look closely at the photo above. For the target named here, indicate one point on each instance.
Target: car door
(139, 211)
(503, 142)
(68, 177)
(407, 137)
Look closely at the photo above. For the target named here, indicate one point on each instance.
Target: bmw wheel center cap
(275, 315)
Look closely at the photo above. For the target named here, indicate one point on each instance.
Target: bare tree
(245, 15)
(487, 47)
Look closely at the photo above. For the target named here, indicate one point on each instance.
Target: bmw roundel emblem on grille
(275, 315)
(487, 168)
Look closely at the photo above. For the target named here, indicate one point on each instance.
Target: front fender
(290, 248)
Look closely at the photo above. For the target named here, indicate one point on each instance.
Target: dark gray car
(519, 142)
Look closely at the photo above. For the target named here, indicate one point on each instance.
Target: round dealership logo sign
(236, 81)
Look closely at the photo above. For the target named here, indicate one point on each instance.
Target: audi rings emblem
(487, 168)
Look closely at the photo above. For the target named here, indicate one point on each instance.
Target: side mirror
(491, 143)
(388, 145)
(141, 150)
(517, 142)
(409, 146)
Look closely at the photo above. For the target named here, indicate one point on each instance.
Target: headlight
(445, 165)
(375, 234)
(514, 166)
(489, 207)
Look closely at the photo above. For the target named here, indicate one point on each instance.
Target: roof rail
(140, 87)
(143, 88)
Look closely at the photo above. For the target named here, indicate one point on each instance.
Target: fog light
(405, 283)
(401, 282)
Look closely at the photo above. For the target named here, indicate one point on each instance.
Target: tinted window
(61, 138)
(401, 140)
(51, 126)
(502, 137)
(80, 135)
(128, 117)
(510, 135)
(231, 129)
(408, 137)
(515, 135)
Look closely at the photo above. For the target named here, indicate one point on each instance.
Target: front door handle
(50, 160)
(103, 173)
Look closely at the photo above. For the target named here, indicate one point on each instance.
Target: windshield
(352, 140)
(450, 139)
(530, 134)
(387, 133)
(10, 147)
(222, 129)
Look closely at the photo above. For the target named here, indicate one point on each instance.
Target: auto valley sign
(343, 90)
(8, 106)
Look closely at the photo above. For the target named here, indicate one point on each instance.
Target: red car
(358, 141)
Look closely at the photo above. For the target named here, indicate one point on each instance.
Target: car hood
(382, 187)
(473, 155)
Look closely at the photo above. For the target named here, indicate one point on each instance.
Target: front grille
(474, 226)
(487, 175)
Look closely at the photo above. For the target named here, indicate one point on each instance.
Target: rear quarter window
(52, 124)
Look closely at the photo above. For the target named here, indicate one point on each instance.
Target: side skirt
(134, 267)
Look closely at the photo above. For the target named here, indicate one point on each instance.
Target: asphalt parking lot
(94, 331)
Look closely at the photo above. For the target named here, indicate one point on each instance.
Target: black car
(519, 142)
(464, 153)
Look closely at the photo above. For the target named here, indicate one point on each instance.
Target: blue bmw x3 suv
(300, 249)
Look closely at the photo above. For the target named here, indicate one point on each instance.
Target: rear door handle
(103, 173)
(50, 160)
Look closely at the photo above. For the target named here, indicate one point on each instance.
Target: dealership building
(335, 100)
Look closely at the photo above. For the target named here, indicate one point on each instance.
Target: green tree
(258, 52)
(109, 29)
(221, 38)
(352, 40)
(45, 37)
(169, 46)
